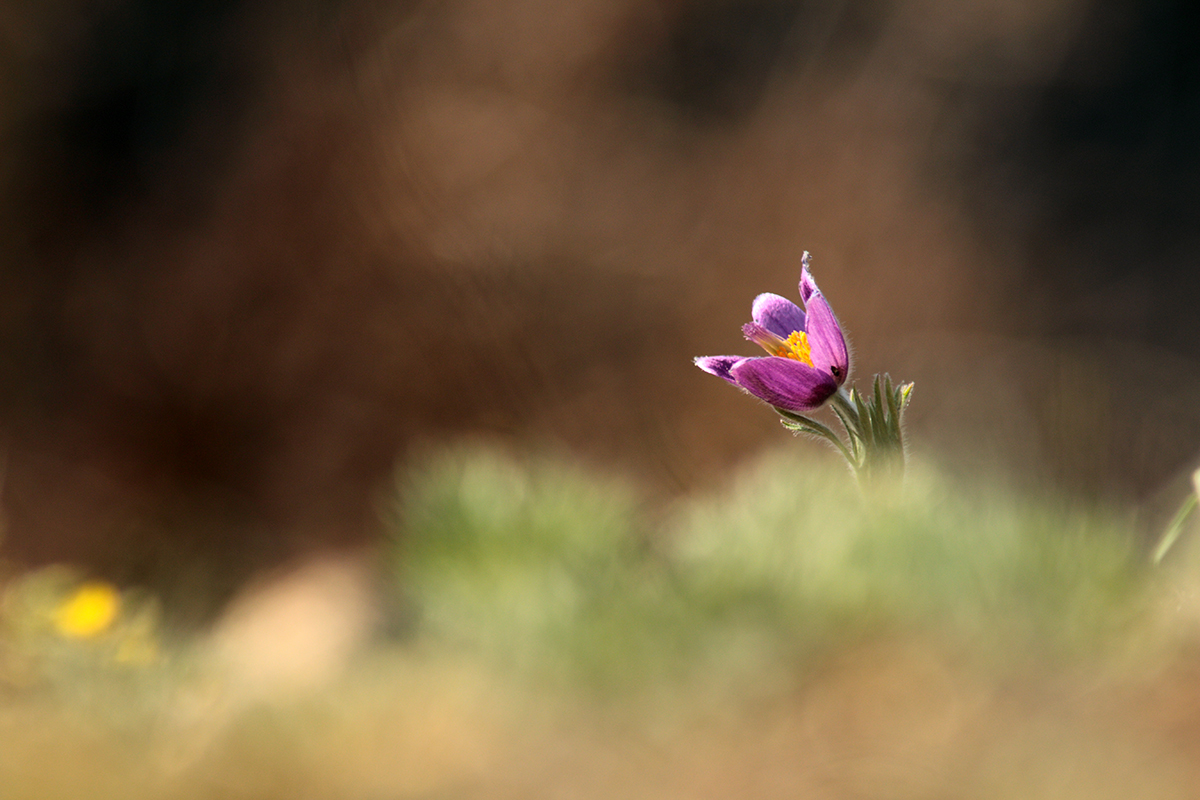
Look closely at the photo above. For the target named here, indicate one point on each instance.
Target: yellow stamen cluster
(796, 347)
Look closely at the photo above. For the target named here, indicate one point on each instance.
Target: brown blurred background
(255, 255)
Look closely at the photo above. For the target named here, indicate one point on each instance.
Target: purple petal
(777, 314)
(784, 383)
(829, 353)
(719, 365)
(808, 287)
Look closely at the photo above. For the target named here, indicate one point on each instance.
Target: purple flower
(808, 359)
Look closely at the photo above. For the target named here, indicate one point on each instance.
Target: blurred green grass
(548, 625)
(546, 567)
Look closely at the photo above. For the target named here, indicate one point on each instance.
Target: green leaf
(864, 416)
(878, 423)
(802, 424)
(1176, 527)
(893, 411)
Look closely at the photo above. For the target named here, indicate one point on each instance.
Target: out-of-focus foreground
(778, 639)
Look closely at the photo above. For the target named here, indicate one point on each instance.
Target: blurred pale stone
(294, 631)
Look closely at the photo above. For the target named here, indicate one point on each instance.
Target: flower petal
(719, 365)
(829, 353)
(777, 314)
(808, 286)
(784, 383)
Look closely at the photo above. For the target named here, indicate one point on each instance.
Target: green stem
(842, 401)
(1175, 528)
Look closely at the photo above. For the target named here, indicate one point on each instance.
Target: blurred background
(256, 255)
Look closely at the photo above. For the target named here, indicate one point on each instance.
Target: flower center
(796, 347)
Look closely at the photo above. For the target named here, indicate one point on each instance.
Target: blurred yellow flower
(88, 611)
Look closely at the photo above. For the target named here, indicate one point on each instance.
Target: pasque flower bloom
(808, 360)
